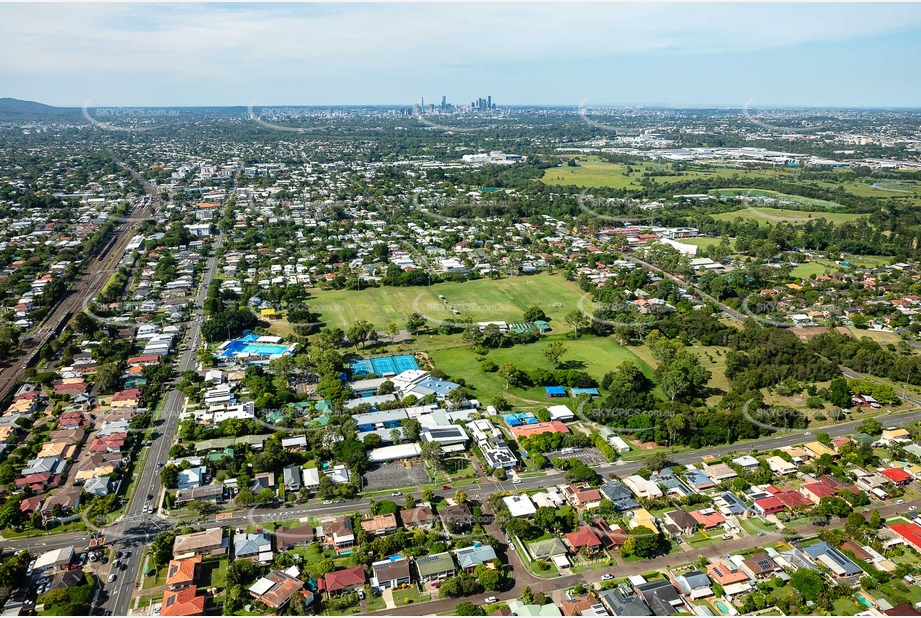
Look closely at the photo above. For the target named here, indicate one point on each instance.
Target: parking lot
(395, 474)
(589, 456)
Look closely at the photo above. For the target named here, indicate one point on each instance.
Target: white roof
(54, 557)
(262, 586)
(519, 506)
(398, 451)
(560, 412)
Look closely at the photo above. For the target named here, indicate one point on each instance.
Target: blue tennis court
(383, 365)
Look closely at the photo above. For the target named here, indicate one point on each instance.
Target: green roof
(436, 563)
(520, 609)
(548, 547)
(324, 405)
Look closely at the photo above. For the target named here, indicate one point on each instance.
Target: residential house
(338, 534)
(418, 517)
(468, 558)
(392, 572)
(183, 602)
(456, 517)
(661, 597)
(209, 542)
(289, 538)
(277, 588)
(680, 522)
(694, 584)
(255, 546)
(342, 582)
(182, 573)
(435, 567)
(621, 601)
(380, 524)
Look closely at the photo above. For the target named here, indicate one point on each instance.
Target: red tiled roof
(896, 475)
(339, 580)
(583, 537)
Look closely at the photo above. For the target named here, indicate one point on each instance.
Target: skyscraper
(489, 102)
(444, 102)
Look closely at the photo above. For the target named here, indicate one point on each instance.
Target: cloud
(325, 45)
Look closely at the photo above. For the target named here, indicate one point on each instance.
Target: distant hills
(17, 109)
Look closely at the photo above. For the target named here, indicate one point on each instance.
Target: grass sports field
(594, 172)
(594, 355)
(481, 300)
(775, 215)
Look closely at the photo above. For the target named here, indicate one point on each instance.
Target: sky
(826, 54)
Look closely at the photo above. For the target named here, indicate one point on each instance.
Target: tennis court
(383, 365)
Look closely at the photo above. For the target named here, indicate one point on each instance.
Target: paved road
(135, 529)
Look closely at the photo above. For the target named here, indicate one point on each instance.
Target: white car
(607, 577)
(807, 433)
(488, 600)
(516, 481)
(900, 502)
(912, 508)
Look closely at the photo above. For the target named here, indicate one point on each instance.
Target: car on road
(112, 577)
(760, 534)
(864, 510)
(160, 465)
(516, 481)
(127, 553)
(607, 577)
(118, 554)
(491, 600)
(396, 493)
(445, 487)
(327, 502)
(900, 502)
(807, 433)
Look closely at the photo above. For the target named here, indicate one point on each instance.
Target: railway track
(98, 271)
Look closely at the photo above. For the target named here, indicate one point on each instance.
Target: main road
(137, 527)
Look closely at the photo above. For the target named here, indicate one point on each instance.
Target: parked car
(607, 577)
(900, 502)
(912, 508)
(491, 600)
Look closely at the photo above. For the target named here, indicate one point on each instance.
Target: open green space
(595, 355)
(765, 215)
(480, 300)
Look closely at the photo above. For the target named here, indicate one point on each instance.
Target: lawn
(775, 215)
(705, 242)
(755, 525)
(812, 269)
(594, 355)
(593, 172)
(405, 597)
(481, 300)
(847, 607)
(214, 573)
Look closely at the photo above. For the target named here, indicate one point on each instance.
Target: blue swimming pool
(243, 347)
(383, 365)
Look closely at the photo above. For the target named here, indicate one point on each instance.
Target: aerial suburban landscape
(457, 356)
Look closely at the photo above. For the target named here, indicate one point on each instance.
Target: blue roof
(555, 390)
(584, 391)
(698, 478)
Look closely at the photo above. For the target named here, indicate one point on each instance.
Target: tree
(656, 462)
(169, 476)
(491, 579)
(433, 455)
(809, 583)
(393, 329)
(359, 332)
(411, 429)
(416, 323)
(460, 496)
(576, 320)
(472, 336)
(839, 393)
(509, 374)
(554, 351)
(468, 609)
(532, 314)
